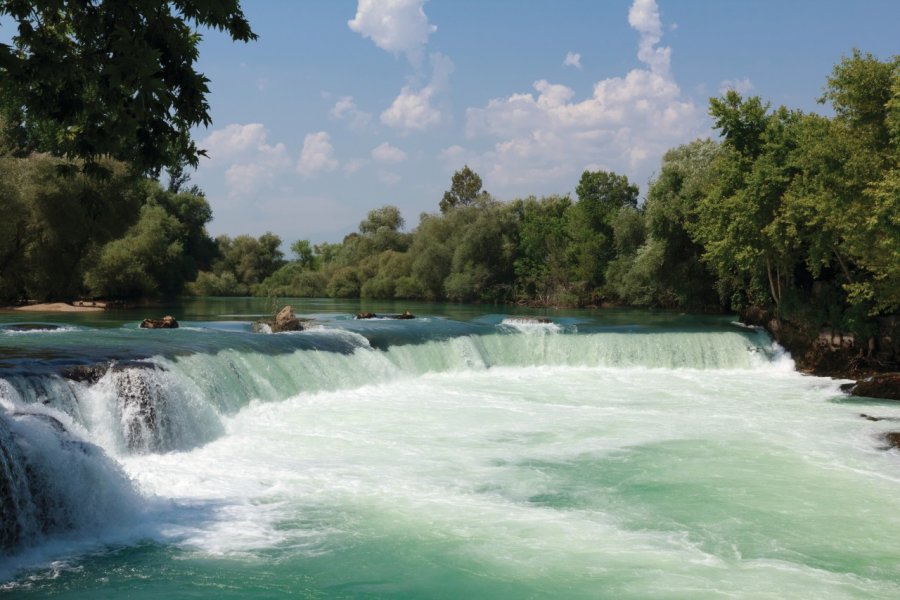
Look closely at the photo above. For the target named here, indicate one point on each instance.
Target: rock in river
(167, 322)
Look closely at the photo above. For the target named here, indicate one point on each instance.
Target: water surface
(611, 454)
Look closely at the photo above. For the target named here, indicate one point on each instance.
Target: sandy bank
(57, 307)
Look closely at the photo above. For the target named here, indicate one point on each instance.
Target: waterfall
(60, 431)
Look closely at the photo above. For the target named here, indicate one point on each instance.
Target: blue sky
(342, 106)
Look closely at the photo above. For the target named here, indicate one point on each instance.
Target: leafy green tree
(69, 219)
(293, 280)
(740, 122)
(629, 230)
(344, 283)
(386, 217)
(465, 190)
(388, 268)
(541, 265)
(212, 284)
(600, 196)
(145, 262)
(110, 78)
(250, 259)
(483, 253)
(861, 89)
(15, 231)
(432, 252)
(673, 267)
(305, 253)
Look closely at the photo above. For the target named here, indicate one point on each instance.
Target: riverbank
(874, 362)
(58, 307)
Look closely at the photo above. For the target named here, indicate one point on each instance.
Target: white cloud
(386, 153)
(345, 109)
(234, 140)
(573, 59)
(396, 26)
(548, 136)
(741, 86)
(317, 155)
(644, 17)
(412, 110)
(353, 165)
(388, 177)
(249, 158)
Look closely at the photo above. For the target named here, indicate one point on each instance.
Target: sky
(341, 107)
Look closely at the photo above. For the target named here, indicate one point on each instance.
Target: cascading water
(439, 458)
(53, 481)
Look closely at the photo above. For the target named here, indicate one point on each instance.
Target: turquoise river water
(462, 454)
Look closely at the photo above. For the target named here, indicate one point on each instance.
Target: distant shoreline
(57, 307)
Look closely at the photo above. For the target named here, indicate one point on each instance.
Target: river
(463, 454)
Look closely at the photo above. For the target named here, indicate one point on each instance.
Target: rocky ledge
(873, 361)
(882, 385)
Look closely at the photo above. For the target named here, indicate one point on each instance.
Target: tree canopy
(85, 79)
(465, 190)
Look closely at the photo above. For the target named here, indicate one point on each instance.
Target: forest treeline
(792, 211)
(795, 212)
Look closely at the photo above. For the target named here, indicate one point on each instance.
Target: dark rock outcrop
(884, 385)
(830, 352)
(141, 401)
(285, 320)
(893, 439)
(402, 316)
(167, 322)
(89, 374)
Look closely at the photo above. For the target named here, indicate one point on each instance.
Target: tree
(387, 216)
(465, 190)
(306, 258)
(859, 90)
(738, 220)
(247, 260)
(145, 262)
(541, 264)
(86, 79)
(740, 122)
(670, 263)
(601, 195)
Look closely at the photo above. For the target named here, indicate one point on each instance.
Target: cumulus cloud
(345, 109)
(573, 59)
(413, 110)
(317, 155)
(549, 136)
(386, 153)
(741, 86)
(248, 157)
(396, 26)
(644, 17)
